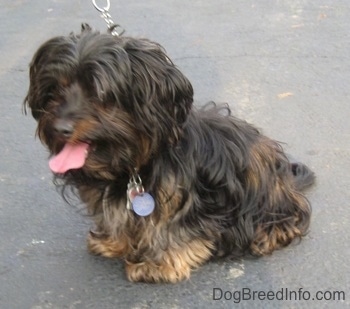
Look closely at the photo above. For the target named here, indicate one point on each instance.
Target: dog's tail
(304, 177)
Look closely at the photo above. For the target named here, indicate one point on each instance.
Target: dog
(167, 185)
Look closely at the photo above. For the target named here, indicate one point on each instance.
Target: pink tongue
(72, 156)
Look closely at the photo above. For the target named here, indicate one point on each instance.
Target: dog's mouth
(72, 156)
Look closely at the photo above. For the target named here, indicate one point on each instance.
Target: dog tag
(128, 202)
(143, 204)
(134, 189)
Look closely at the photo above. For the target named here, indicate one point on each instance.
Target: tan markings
(81, 128)
(108, 247)
(175, 265)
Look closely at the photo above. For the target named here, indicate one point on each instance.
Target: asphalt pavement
(282, 65)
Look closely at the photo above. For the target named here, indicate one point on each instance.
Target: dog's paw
(174, 265)
(152, 273)
(105, 246)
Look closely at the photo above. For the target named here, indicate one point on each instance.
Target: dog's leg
(282, 213)
(106, 246)
(174, 265)
(283, 224)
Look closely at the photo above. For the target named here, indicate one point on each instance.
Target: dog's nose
(64, 127)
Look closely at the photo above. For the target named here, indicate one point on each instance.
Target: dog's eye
(55, 92)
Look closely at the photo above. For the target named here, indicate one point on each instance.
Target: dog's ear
(39, 83)
(85, 28)
(44, 73)
(162, 95)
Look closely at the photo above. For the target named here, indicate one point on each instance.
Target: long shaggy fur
(221, 188)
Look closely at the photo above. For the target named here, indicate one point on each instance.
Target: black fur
(220, 186)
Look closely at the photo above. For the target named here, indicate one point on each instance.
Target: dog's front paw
(152, 273)
(106, 246)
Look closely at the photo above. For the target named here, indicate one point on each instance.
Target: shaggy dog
(168, 186)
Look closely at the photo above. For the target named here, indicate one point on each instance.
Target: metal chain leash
(113, 28)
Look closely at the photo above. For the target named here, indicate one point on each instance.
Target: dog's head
(106, 104)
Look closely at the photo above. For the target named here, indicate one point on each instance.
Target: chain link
(113, 28)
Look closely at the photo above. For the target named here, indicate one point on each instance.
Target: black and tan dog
(168, 186)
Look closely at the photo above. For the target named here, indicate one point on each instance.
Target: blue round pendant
(143, 204)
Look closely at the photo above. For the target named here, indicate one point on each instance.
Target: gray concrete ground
(282, 65)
